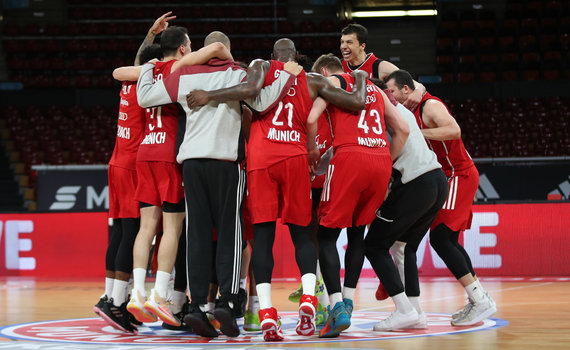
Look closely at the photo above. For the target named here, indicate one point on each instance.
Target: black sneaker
(227, 317)
(183, 325)
(242, 303)
(198, 321)
(98, 308)
(118, 317)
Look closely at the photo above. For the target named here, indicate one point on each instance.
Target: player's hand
(293, 68)
(197, 98)
(161, 23)
(359, 74)
(413, 100)
(314, 157)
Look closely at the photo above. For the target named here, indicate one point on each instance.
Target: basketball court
(532, 312)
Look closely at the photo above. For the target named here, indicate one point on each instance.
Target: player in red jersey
(278, 176)
(159, 191)
(352, 46)
(357, 179)
(443, 136)
(123, 208)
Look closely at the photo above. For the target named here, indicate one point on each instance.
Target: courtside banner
(504, 240)
(53, 245)
(72, 188)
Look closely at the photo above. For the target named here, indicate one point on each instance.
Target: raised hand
(161, 23)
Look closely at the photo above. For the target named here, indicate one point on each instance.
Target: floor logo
(96, 331)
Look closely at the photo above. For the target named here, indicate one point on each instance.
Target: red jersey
(370, 66)
(280, 133)
(451, 154)
(365, 129)
(130, 128)
(159, 142)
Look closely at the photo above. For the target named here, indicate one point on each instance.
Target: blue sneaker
(349, 306)
(338, 321)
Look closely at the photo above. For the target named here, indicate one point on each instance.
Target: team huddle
(213, 154)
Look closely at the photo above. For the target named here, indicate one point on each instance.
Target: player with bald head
(278, 183)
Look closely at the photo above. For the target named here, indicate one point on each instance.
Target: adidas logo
(486, 190)
(563, 189)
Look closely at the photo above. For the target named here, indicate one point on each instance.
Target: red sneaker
(381, 293)
(307, 311)
(270, 324)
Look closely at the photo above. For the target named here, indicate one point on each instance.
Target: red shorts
(318, 181)
(281, 191)
(159, 182)
(354, 189)
(456, 212)
(122, 187)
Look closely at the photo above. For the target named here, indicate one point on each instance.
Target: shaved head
(284, 50)
(217, 37)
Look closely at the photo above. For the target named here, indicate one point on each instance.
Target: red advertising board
(504, 240)
(53, 245)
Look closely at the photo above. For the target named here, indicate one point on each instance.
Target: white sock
(264, 294)
(242, 282)
(416, 304)
(203, 307)
(480, 285)
(335, 298)
(253, 304)
(120, 292)
(161, 283)
(309, 280)
(402, 303)
(178, 299)
(474, 292)
(210, 306)
(348, 292)
(108, 286)
(139, 275)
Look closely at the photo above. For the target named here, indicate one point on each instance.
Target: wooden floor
(538, 312)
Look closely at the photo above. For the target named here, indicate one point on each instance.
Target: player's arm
(149, 94)
(399, 128)
(414, 99)
(247, 116)
(319, 106)
(442, 125)
(203, 55)
(353, 101)
(157, 27)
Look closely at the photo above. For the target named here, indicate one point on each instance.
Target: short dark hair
(150, 52)
(328, 61)
(402, 77)
(360, 31)
(379, 83)
(305, 61)
(172, 38)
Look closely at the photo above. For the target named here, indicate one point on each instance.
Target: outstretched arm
(151, 94)
(442, 126)
(248, 89)
(353, 101)
(399, 128)
(415, 97)
(158, 26)
(203, 55)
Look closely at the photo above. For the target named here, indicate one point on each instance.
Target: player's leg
(353, 261)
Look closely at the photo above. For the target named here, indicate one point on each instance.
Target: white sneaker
(478, 312)
(422, 322)
(462, 312)
(397, 320)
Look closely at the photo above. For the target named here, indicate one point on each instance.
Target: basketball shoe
(270, 324)
(159, 307)
(338, 321)
(397, 320)
(136, 308)
(307, 311)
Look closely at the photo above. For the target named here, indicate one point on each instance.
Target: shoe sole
(141, 314)
(97, 310)
(163, 315)
(116, 325)
(486, 314)
(271, 332)
(306, 325)
(200, 327)
(228, 325)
